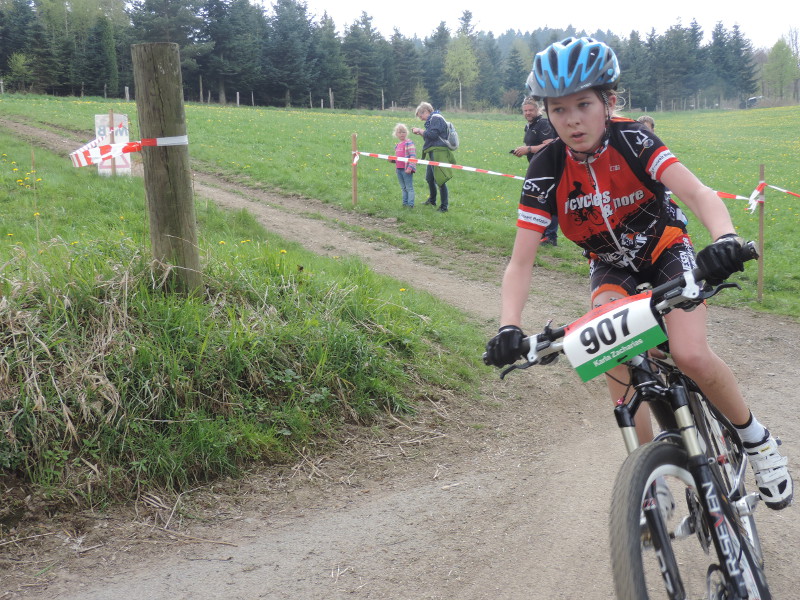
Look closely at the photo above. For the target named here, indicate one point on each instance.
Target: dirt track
(501, 497)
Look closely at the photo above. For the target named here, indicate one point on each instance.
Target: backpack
(452, 135)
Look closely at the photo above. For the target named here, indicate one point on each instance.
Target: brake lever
(515, 366)
(707, 291)
(710, 291)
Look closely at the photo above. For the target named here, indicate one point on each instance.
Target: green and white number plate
(611, 334)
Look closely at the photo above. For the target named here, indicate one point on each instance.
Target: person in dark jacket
(435, 149)
(538, 133)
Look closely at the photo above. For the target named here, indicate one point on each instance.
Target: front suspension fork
(718, 511)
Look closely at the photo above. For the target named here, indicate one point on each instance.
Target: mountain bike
(681, 517)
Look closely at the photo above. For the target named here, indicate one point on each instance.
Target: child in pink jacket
(405, 169)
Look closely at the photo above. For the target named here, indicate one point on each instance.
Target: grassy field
(109, 385)
(308, 152)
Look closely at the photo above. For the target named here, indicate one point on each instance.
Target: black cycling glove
(722, 258)
(505, 348)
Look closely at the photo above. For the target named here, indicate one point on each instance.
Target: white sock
(752, 432)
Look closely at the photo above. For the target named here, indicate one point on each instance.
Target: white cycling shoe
(772, 475)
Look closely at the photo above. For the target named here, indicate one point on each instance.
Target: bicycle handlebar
(747, 252)
(679, 291)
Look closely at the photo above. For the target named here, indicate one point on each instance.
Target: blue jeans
(407, 185)
(429, 177)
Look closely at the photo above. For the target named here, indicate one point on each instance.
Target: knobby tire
(635, 566)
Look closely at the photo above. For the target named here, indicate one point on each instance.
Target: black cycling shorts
(672, 262)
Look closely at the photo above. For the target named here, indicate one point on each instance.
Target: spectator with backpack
(405, 170)
(437, 134)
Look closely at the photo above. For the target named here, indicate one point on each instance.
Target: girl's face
(402, 134)
(580, 118)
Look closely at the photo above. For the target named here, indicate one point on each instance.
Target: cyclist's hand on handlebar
(506, 347)
(722, 258)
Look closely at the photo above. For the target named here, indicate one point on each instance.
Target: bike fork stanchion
(717, 509)
(659, 536)
(717, 514)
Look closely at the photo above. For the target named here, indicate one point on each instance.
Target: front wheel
(661, 543)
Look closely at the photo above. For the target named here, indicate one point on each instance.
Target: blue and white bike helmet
(572, 65)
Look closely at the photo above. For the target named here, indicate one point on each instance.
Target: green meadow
(109, 385)
(308, 152)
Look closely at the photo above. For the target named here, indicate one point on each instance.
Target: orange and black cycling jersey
(612, 205)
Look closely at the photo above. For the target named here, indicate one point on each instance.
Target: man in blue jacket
(435, 149)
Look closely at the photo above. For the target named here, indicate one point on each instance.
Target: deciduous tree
(780, 71)
(461, 68)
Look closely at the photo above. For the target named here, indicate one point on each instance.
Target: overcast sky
(763, 22)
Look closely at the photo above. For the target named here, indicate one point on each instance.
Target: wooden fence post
(167, 176)
(761, 235)
(111, 140)
(355, 169)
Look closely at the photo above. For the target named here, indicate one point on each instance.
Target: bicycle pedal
(685, 528)
(746, 506)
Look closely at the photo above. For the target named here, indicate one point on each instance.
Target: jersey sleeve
(653, 154)
(537, 202)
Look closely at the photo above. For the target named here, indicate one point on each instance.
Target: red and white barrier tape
(755, 196)
(434, 163)
(356, 156)
(85, 149)
(96, 152)
(729, 196)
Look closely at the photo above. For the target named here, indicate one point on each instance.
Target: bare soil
(501, 496)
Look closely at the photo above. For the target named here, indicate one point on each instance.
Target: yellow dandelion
(283, 251)
(402, 289)
(36, 214)
(222, 242)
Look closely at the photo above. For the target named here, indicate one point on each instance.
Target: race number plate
(611, 334)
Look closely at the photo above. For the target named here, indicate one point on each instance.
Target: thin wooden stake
(111, 141)
(355, 169)
(761, 198)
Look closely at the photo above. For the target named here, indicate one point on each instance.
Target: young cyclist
(605, 178)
